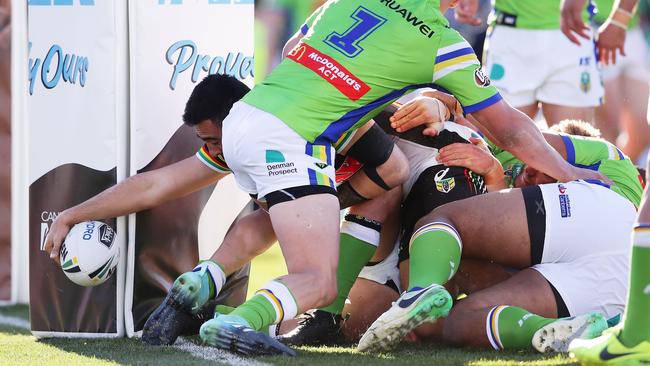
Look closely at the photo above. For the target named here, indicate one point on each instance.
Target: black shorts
(428, 193)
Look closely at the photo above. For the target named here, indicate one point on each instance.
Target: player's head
(209, 105)
(212, 99)
(530, 176)
(576, 127)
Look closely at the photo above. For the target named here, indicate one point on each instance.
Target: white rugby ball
(90, 253)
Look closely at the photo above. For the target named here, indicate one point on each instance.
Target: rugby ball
(90, 253)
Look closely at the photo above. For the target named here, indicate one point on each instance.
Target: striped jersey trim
(492, 327)
(219, 164)
(344, 140)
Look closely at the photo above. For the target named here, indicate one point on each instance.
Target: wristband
(618, 24)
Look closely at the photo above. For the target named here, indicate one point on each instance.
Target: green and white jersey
(536, 14)
(591, 153)
(356, 57)
(604, 7)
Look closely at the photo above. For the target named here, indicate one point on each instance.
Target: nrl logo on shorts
(480, 78)
(444, 185)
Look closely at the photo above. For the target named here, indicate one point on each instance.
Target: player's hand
(473, 156)
(55, 236)
(588, 174)
(610, 40)
(465, 12)
(420, 111)
(571, 21)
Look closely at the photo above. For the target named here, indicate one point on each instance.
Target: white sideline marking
(204, 352)
(214, 354)
(14, 321)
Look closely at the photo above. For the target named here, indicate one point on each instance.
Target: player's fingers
(408, 123)
(569, 34)
(475, 140)
(430, 131)
(404, 110)
(54, 253)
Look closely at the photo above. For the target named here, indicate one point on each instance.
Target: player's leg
(635, 117)
(482, 319)
(554, 113)
(629, 345)
(360, 236)
(307, 230)
(426, 299)
(384, 166)
(247, 237)
(608, 114)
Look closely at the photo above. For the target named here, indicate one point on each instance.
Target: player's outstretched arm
(476, 157)
(136, 193)
(515, 132)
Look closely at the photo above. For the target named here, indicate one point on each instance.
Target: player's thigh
(636, 94)
(430, 187)
(307, 229)
(554, 113)
(492, 226)
(527, 289)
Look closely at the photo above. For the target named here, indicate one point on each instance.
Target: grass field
(18, 347)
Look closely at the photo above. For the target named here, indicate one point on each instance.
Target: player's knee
(434, 216)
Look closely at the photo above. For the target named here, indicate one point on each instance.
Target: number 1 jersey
(358, 56)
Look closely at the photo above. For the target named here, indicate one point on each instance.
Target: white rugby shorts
(586, 250)
(530, 65)
(265, 155)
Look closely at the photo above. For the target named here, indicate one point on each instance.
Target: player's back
(355, 58)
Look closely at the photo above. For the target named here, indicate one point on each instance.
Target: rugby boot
(180, 309)
(556, 336)
(608, 350)
(316, 328)
(413, 308)
(232, 333)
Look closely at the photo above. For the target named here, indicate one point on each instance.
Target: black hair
(212, 99)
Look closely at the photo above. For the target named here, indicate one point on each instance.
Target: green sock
(270, 305)
(434, 255)
(636, 328)
(510, 327)
(358, 243)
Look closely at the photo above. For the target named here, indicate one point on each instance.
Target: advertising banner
(173, 45)
(5, 151)
(77, 124)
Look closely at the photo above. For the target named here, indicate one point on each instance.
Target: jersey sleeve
(218, 165)
(310, 20)
(589, 152)
(458, 70)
